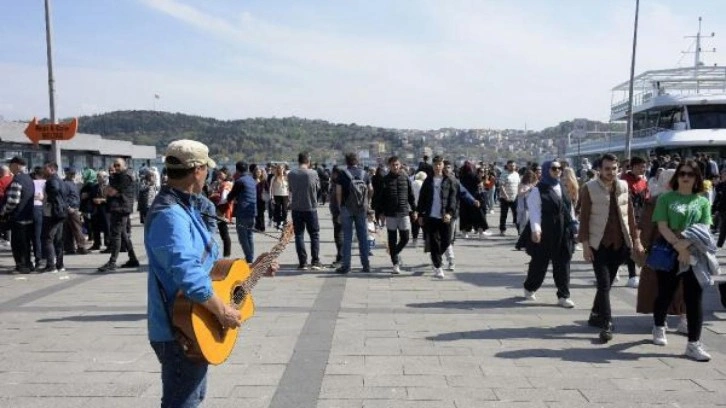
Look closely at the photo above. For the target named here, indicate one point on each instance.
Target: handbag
(662, 256)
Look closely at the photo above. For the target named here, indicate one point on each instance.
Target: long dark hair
(698, 186)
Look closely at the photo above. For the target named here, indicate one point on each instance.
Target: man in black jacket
(18, 209)
(55, 211)
(397, 204)
(437, 207)
(120, 201)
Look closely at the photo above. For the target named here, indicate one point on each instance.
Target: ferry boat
(680, 110)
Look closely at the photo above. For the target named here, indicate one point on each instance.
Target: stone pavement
(363, 340)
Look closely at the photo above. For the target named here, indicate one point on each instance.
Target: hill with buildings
(265, 139)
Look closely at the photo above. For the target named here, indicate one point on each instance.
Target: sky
(415, 64)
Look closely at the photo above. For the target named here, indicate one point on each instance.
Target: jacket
(19, 199)
(448, 197)
(123, 202)
(244, 193)
(396, 196)
(55, 205)
(703, 254)
(181, 254)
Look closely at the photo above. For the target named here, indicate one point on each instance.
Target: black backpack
(357, 200)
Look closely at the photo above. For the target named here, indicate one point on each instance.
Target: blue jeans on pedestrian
(302, 220)
(361, 229)
(245, 229)
(184, 383)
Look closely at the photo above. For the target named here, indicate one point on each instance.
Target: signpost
(53, 132)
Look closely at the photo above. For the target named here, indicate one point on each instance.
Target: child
(372, 231)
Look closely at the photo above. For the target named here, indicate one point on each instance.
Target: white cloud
(490, 64)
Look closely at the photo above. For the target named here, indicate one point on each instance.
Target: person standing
(38, 200)
(18, 210)
(244, 194)
(638, 187)
(417, 183)
(304, 185)
(263, 197)
(608, 234)
(280, 192)
(120, 201)
(75, 241)
(436, 207)
(55, 211)
(352, 194)
(181, 253)
(219, 195)
(551, 235)
(675, 212)
(397, 203)
(508, 188)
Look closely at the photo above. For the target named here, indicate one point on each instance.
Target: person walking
(352, 194)
(676, 212)
(334, 208)
(436, 207)
(418, 181)
(508, 188)
(638, 188)
(304, 185)
(608, 234)
(550, 229)
(120, 201)
(244, 195)
(397, 203)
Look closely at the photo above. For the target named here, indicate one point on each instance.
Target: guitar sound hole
(238, 296)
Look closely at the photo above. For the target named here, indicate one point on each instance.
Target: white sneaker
(567, 303)
(659, 336)
(529, 295)
(439, 273)
(682, 325)
(486, 233)
(466, 235)
(634, 282)
(696, 351)
(396, 270)
(451, 266)
(578, 247)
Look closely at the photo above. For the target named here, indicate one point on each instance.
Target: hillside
(265, 139)
(255, 139)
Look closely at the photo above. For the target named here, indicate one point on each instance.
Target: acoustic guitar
(198, 331)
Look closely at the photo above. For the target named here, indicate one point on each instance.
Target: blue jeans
(349, 220)
(184, 383)
(302, 220)
(244, 234)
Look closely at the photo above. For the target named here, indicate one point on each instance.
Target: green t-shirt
(682, 211)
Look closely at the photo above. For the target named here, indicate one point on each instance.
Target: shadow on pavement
(129, 317)
(605, 354)
(514, 301)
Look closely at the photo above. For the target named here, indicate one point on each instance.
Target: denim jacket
(181, 254)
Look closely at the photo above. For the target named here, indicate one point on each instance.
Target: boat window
(707, 116)
(669, 118)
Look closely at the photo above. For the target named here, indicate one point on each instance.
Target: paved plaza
(78, 339)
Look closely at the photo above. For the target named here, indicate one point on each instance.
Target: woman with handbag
(674, 212)
(219, 192)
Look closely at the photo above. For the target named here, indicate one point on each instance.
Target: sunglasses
(686, 174)
(555, 168)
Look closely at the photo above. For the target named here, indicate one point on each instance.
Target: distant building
(83, 151)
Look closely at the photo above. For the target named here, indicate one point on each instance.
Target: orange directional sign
(61, 131)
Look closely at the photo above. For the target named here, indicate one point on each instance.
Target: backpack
(357, 200)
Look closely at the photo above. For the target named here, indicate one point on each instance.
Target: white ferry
(680, 110)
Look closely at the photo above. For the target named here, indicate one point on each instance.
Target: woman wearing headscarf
(551, 230)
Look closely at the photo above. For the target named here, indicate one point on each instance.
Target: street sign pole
(55, 146)
(629, 130)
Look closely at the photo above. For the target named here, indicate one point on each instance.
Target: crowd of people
(48, 217)
(655, 216)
